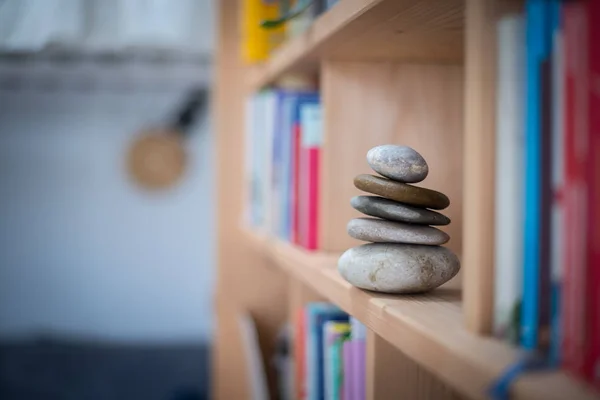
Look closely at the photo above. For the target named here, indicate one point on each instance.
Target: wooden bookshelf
(427, 328)
(416, 72)
(372, 30)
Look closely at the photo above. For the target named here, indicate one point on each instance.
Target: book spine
(347, 384)
(509, 172)
(300, 354)
(329, 337)
(257, 42)
(546, 181)
(557, 172)
(338, 367)
(317, 315)
(575, 193)
(593, 245)
(312, 137)
(267, 126)
(250, 217)
(295, 206)
(358, 369)
(333, 333)
(286, 167)
(538, 49)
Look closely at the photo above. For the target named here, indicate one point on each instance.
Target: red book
(310, 158)
(299, 353)
(592, 365)
(576, 32)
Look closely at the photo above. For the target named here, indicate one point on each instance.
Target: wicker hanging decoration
(157, 159)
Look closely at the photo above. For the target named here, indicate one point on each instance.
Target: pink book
(310, 155)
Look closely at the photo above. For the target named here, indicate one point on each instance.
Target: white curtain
(106, 25)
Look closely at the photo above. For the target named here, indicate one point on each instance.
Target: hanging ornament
(157, 159)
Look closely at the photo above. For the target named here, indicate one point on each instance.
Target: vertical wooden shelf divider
(480, 120)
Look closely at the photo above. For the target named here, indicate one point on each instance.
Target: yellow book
(258, 42)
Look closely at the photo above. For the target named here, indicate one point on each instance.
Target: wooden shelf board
(372, 30)
(427, 328)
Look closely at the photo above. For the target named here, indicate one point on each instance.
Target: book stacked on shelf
(258, 42)
(284, 138)
(329, 348)
(266, 24)
(548, 183)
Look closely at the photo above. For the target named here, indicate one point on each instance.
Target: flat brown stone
(402, 192)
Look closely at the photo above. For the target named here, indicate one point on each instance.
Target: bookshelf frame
(396, 54)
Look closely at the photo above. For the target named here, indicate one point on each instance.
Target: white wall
(82, 250)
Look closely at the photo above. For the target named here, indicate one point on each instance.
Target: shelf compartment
(372, 30)
(427, 328)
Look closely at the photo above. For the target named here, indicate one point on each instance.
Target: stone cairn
(405, 255)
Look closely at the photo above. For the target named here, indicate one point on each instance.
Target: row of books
(329, 349)
(548, 183)
(266, 24)
(284, 138)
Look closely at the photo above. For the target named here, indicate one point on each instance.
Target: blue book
(538, 42)
(279, 158)
(557, 149)
(317, 314)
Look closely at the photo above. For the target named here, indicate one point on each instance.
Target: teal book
(317, 315)
(334, 333)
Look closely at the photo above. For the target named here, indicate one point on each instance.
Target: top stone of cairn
(400, 163)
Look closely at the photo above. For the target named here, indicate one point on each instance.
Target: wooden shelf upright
(416, 72)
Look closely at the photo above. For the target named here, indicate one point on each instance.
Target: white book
(251, 212)
(267, 134)
(510, 123)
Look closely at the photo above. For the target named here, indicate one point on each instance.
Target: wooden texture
(246, 281)
(368, 104)
(428, 329)
(480, 95)
(391, 375)
(373, 30)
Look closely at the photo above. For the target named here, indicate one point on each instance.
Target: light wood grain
(479, 171)
(391, 375)
(373, 30)
(428, 329)
(242, 271)
(368, 104)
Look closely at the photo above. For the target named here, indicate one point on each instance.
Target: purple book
(358, 377)
(347, 385)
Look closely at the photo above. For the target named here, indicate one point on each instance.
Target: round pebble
(392, 210)
(398, 268)
(402, 192)
(400, 163)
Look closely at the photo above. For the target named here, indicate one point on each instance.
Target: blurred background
(107, 237)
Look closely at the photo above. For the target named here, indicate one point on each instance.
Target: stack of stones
(405, 255)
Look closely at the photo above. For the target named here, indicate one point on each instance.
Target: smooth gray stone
(388, 209)
(398, 268)
(382, 231)
(400, 163)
